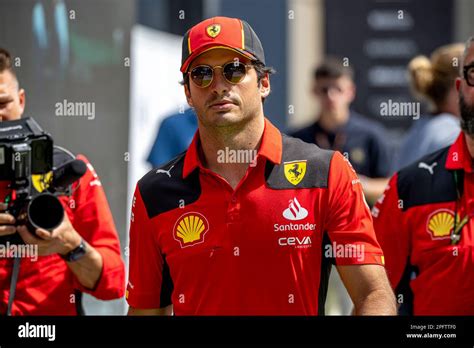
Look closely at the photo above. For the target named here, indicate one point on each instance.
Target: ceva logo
(297, 242)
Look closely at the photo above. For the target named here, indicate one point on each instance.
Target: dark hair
(333, 68)
(6, 61)
(467, 45)
(262, 70)
(259, 67)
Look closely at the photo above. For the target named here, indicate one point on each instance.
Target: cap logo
(213, 30)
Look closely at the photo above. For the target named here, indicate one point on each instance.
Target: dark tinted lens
(234, 72)
(202, 76)
(470, 76)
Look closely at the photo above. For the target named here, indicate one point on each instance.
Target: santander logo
(295, 211)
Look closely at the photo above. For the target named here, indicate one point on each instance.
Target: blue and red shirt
(414, 222)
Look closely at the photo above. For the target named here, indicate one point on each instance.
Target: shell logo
(440, 224)
(190, 229)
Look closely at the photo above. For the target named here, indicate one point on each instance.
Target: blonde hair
(432, 78)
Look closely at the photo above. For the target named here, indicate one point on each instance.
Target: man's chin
(9, 118)
(222, 119)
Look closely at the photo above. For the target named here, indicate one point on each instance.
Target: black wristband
(76, 253)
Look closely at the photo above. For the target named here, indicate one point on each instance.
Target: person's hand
(61, 240)
(7, 221)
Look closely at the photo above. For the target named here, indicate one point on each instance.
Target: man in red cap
(247, 221)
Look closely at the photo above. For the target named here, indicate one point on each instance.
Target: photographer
(81, 255)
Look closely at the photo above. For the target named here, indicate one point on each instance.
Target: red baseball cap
(221, 32)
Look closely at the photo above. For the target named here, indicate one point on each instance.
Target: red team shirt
(47, 286)
(259, 249)
(414, 221)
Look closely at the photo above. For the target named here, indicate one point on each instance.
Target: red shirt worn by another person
(414, 221)
(47, 286)
(261, 249)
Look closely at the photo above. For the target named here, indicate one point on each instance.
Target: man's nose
(219, 84)
(331, 94)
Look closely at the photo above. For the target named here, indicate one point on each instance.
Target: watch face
(77, 253)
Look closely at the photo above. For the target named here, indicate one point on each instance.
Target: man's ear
(352, 91)
(458, 83)
(187, 92)
(22, 99)
(265, 86)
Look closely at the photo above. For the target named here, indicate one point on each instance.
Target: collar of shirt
(270, 148)
(458, 155)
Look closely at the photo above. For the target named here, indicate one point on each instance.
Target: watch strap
(75, 254)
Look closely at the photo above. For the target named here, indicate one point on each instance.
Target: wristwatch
(75, 254)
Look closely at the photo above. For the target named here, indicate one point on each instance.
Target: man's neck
(331, 121)
(216, 142)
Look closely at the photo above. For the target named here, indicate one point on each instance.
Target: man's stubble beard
(238, 120)
(467, 115)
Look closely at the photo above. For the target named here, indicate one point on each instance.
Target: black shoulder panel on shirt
(317, 165)
(163, 188)
(426, 181)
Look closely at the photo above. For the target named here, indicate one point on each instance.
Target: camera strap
(13, 282)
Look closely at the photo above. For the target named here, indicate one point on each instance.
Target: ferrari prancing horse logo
(213, 30)
(295, 171)
(41, 181)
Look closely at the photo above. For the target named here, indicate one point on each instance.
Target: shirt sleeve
(391, 231)
(349, 223)
(91, 217)
(149, 285)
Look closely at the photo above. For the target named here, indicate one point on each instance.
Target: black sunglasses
(234, 72)
(468, 71)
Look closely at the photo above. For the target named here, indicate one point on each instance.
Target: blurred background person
(174, 136)
(339, 128)
(432, 80)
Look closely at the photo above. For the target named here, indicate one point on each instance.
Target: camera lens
(45, 211)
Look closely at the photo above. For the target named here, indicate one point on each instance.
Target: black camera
(26, 162)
